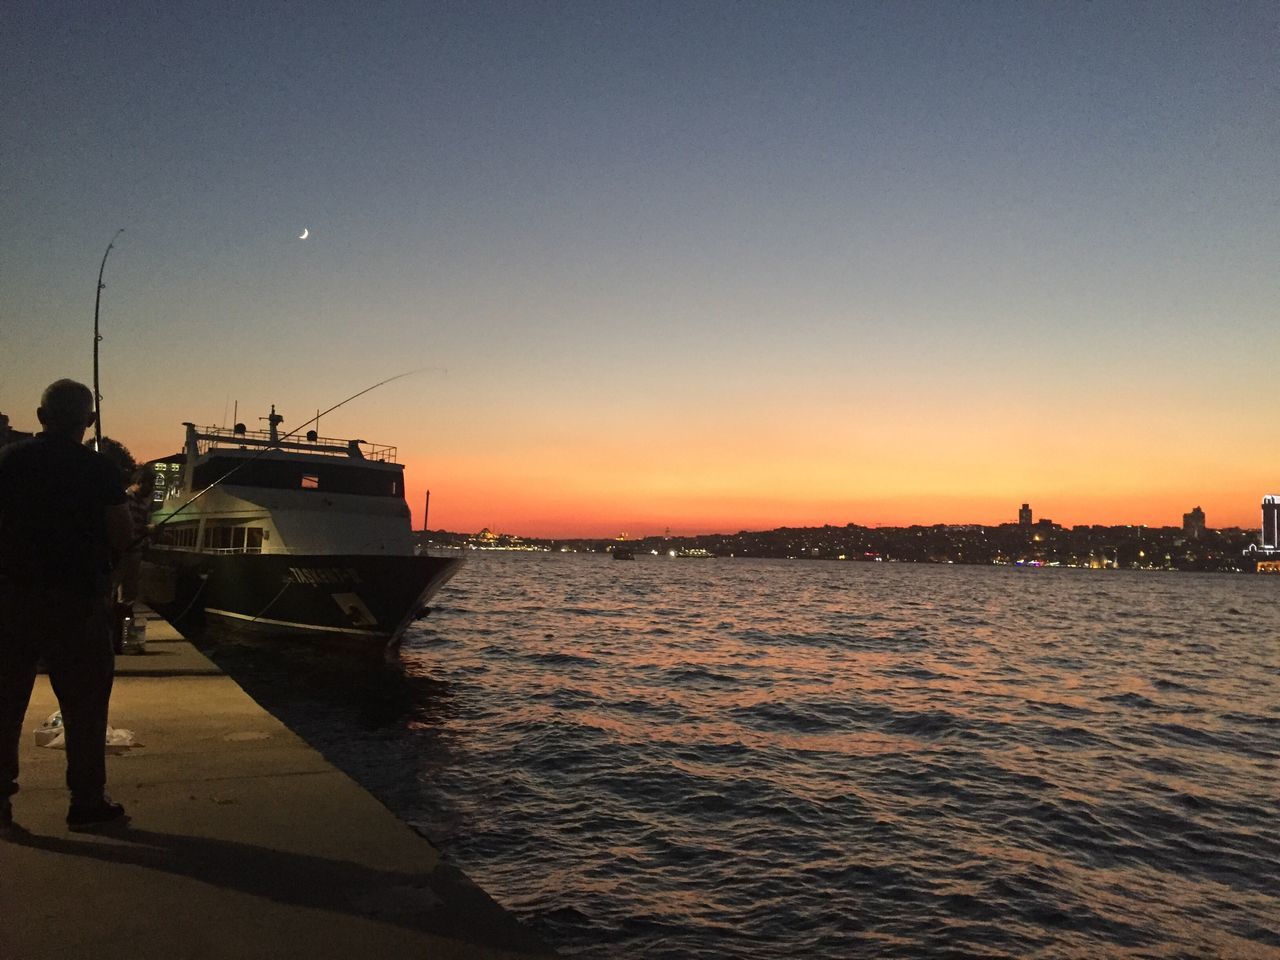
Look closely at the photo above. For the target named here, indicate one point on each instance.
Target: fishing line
(204, 581)
(287, 585)
(265, 450)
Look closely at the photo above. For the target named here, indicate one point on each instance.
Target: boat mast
(274, 421)
(97, 338)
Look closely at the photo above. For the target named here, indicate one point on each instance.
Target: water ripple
(770, 759)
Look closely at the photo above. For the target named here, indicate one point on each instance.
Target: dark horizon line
(1041, 524)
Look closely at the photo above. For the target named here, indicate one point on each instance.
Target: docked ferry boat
(306, 536)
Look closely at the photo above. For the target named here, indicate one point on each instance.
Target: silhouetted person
(63, 524)
(138, 497)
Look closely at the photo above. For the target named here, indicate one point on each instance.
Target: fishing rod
(265, 450)
(97, 339)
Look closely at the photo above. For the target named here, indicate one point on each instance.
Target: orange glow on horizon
(533, 505)
(705, 464)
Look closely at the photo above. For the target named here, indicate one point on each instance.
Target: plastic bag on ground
(120, 740)
(51, 734)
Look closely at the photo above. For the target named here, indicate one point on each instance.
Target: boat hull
(351, 597)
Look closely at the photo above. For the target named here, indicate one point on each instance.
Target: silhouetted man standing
(63, 523)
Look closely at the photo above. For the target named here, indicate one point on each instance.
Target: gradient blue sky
(697, 265)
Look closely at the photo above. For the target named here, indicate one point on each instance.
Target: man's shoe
(98, 813)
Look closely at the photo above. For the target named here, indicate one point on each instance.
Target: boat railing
(210, 438)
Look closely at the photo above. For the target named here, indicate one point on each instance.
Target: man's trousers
(71, 635)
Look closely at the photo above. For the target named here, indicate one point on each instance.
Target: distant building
(1193, 523)
(1271, 523)
(1267, 553)
(1024, 515)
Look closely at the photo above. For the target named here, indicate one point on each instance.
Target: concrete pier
(244, 843)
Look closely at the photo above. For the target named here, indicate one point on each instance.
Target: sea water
(749, 758)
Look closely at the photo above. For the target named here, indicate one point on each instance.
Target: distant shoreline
(1041, 544)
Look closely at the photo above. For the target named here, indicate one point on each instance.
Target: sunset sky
(699, 266)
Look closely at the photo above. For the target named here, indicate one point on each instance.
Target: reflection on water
(729, 758)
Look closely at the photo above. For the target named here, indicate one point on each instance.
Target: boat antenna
(265, 450)
(97, 339)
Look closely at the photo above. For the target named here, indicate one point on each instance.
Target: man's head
(66, 409)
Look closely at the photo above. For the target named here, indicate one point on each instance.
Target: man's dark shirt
(53, 497)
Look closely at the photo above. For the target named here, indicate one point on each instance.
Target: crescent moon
(304, 234)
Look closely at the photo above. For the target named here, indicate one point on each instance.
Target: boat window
(217, 537)
(181, 536)
(361, 478)
(231, 538)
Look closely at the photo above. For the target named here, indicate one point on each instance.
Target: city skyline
(1193, 524)
(702, 267)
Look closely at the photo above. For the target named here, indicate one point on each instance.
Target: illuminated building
(1193, 523)
(1271, 524)
(1024, 515)
(1267, 555)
